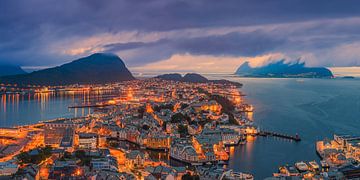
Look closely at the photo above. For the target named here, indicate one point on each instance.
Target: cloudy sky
(194, 35)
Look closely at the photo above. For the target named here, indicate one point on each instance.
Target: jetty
(89, 106)
(275, 134)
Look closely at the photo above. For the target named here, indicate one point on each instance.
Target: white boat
(315, 166)
(302, 166)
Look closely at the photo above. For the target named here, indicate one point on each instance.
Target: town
(152, 129)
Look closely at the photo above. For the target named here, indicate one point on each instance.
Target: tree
(188, 176)
(146, 127)
(183, 131)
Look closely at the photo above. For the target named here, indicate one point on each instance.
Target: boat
(313, 165)
(242, 142)
(302, 166)
(231, 175)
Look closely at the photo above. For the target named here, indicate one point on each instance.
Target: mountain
(7, 70)
(97, 68)
(280, 69)
(194, 78)
(171, 77)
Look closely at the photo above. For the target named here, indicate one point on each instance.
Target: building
(88, 140)
(158, 141)
(67, 141)
(8, 168)
(30, 172)
(108, 164)
(136, 159)
(211, 106)
(118, 133)
(55, 131)
(183, 150)
(66, 169)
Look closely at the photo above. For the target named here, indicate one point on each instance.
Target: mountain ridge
(97, 68)
(8, 70)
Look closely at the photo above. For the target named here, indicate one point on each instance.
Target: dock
(275, 134)
(89, 106)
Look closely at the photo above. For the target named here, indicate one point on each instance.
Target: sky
(171, 35)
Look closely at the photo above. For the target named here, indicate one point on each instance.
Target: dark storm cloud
(231, 44)
(28, 28)
(237, 44)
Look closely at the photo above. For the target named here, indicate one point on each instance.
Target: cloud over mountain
(144, 32)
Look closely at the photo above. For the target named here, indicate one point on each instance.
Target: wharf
(88, 106)
(285, 136)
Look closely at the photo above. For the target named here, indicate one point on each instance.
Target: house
(136, 159)
(118, 133)
(183, 150)
(166, 172)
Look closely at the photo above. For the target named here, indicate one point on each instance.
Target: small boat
(302, 166)
(242, 142)
(313, 165)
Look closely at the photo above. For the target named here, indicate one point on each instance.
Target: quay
(88, 106)
(275, 134)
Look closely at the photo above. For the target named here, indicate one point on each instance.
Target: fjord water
(313, 108)
(23, 109)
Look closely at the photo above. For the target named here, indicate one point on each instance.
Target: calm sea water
(22, 109)
(313, 108)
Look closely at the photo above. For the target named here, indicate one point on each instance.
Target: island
(195, 78)
(281, 69)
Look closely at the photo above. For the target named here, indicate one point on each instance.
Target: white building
(88, 140)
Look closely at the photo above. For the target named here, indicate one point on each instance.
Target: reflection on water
(20, 109)
(313, 108)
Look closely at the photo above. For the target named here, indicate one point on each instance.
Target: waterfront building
(158, 141)
(183, 150)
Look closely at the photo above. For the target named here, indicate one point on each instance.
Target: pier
(275, 134)
(88, 106)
